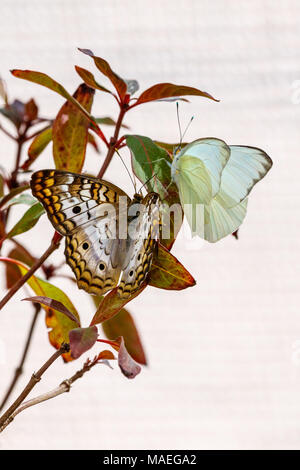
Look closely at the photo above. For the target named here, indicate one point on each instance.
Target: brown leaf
(70, 132)
(111, 304)
(168, 273)
(31, 111)
(167, 90)
(123, 324)
(89, 79)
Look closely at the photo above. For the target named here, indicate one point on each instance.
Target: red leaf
(12, 271)
(82, 339)
(167, 90)
(104, 67)
(127, 365)
(123, 324)
(168, 273)
(111, 304)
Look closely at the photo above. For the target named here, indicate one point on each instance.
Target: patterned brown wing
(84, 209)
(141, 245)
(71, 199)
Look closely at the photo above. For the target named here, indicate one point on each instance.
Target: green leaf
(151, 164)
(82, 339)
(168, 273)
(168, 90)
(104, 67)
(108, 121)
(111, 304)
(123, 324)
(37, 146)
(70, 132)
(23, 199)
(89, 79)
(12, 194)
(29, 219)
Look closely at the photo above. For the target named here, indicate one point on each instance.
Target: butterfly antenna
(132, 180)
(188, 125)
(178, 121)
(149, 179)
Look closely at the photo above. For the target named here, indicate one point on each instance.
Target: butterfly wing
(198, 167)
(246, 166)
(84, 209)
(221, 221)
(70, 199)
(144, 231)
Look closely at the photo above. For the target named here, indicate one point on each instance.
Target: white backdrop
(223, 356)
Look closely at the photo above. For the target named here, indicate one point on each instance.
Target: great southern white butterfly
(79, 207)
(218, 177)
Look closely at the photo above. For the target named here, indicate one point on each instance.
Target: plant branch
(53, 246)
(7, 133)
(64, 387)
(19, 369)
(113, 142)
(35, 378)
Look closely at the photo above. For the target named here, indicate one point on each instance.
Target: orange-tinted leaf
(167, 90)
(38, 144)
(168, 273)
(105, 354)
(89, 79)
(82, 339)
(111, 304)
(104, 67)
(70, 132)
(52, 303)
(123, 324)
(12, 271)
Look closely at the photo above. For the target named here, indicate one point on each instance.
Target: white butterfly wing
(209, 156)
(246, 166)
(221, 221)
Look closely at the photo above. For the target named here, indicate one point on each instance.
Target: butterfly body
(108, 235)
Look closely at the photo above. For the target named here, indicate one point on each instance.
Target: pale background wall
(223, 360)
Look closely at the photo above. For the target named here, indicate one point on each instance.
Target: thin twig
(19, 369)
(62, 388)
(7, 133)
(35, 378)
(54, 245)
(113, 141)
